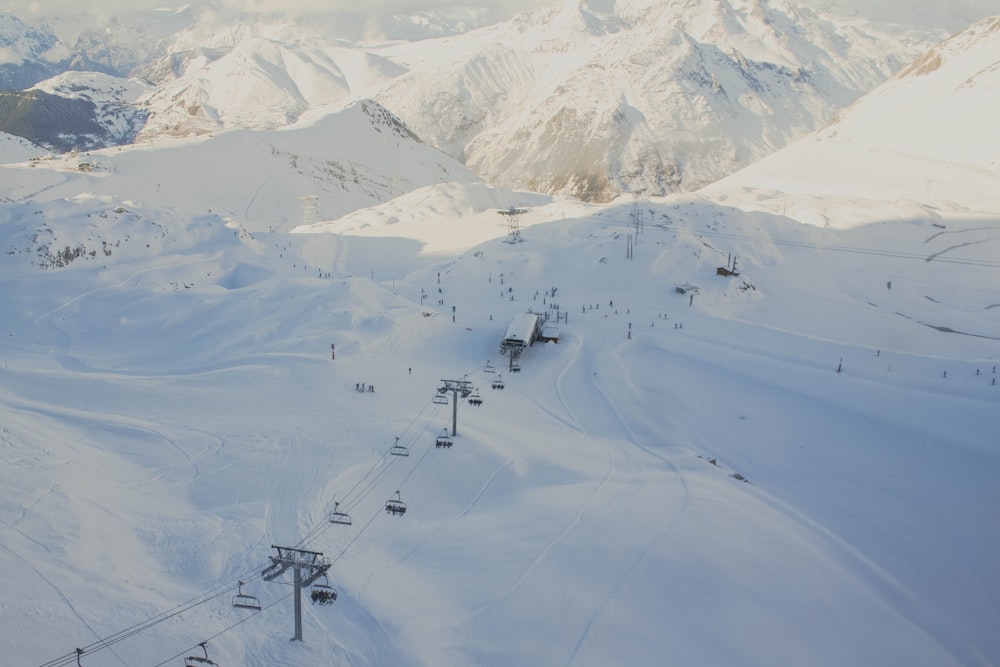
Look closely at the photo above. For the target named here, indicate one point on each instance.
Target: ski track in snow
(62, 596)
(623, 380)
(63, 341)
(548, 547)
(151, 434)
(893, 592)
(282, 512)
(935, 255)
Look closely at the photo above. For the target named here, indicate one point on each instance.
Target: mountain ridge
(543, 101)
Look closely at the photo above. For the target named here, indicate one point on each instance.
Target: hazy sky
(949, 14)
(48, 7)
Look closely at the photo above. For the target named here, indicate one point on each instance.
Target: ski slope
(166, 422)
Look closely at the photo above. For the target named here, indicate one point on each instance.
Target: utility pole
(456, 387)
(307, 567)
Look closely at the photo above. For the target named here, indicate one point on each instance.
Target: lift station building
(522, 332)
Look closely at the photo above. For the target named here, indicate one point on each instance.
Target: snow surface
(920, 142)
(18, 149)
(791, 466)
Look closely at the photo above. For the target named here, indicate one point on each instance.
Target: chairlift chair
(336, 516)
(198, 661)
(323, 594)
(488, 368)
(498, 383)
(475, 399)
(440, 399)
(443, 440)
(395, 506)
(515, 367)
(245, 601)
(398, 449)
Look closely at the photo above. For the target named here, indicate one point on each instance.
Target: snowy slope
(16, 149)
(683, 475)
(327, 166)
(167, 421)
(917, 145)
(792, 465)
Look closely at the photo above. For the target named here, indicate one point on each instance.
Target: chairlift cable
(146, 624)
(351, 504)
(225, 630)
(346, 499)
(249, 575)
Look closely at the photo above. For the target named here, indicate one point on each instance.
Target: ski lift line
(361, 532)
(133, 630)
(414, 468)
(849, 249)
(378, 511)
(347, 499)
(385, 459)
(224, 630)
(758, 240)
(484, 368)
(250, 575)
(371, 485)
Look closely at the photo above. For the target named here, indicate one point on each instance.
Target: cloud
(9, 56)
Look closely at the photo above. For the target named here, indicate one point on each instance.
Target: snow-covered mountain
(336, 163)
(18, 149)
(788, 462)
(585, 98)
(258, 76)
(918, 145)
(595, 98)
(29, 54)
(793, 465)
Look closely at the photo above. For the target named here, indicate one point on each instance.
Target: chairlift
(515, 367)
(336, 516)
(440, 399)
(398, 449)
(198, 661)
(245, 601)
(443, 440)
(395, 506)
(488, 368)
(498, 383)
(475, 399)
(323, 593)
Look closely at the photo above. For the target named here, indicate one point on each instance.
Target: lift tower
(457, 388)
(306, 566)
(512, 216)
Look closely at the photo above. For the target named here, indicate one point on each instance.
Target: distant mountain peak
(707, 86)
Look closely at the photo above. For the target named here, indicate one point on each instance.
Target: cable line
(354, 497)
